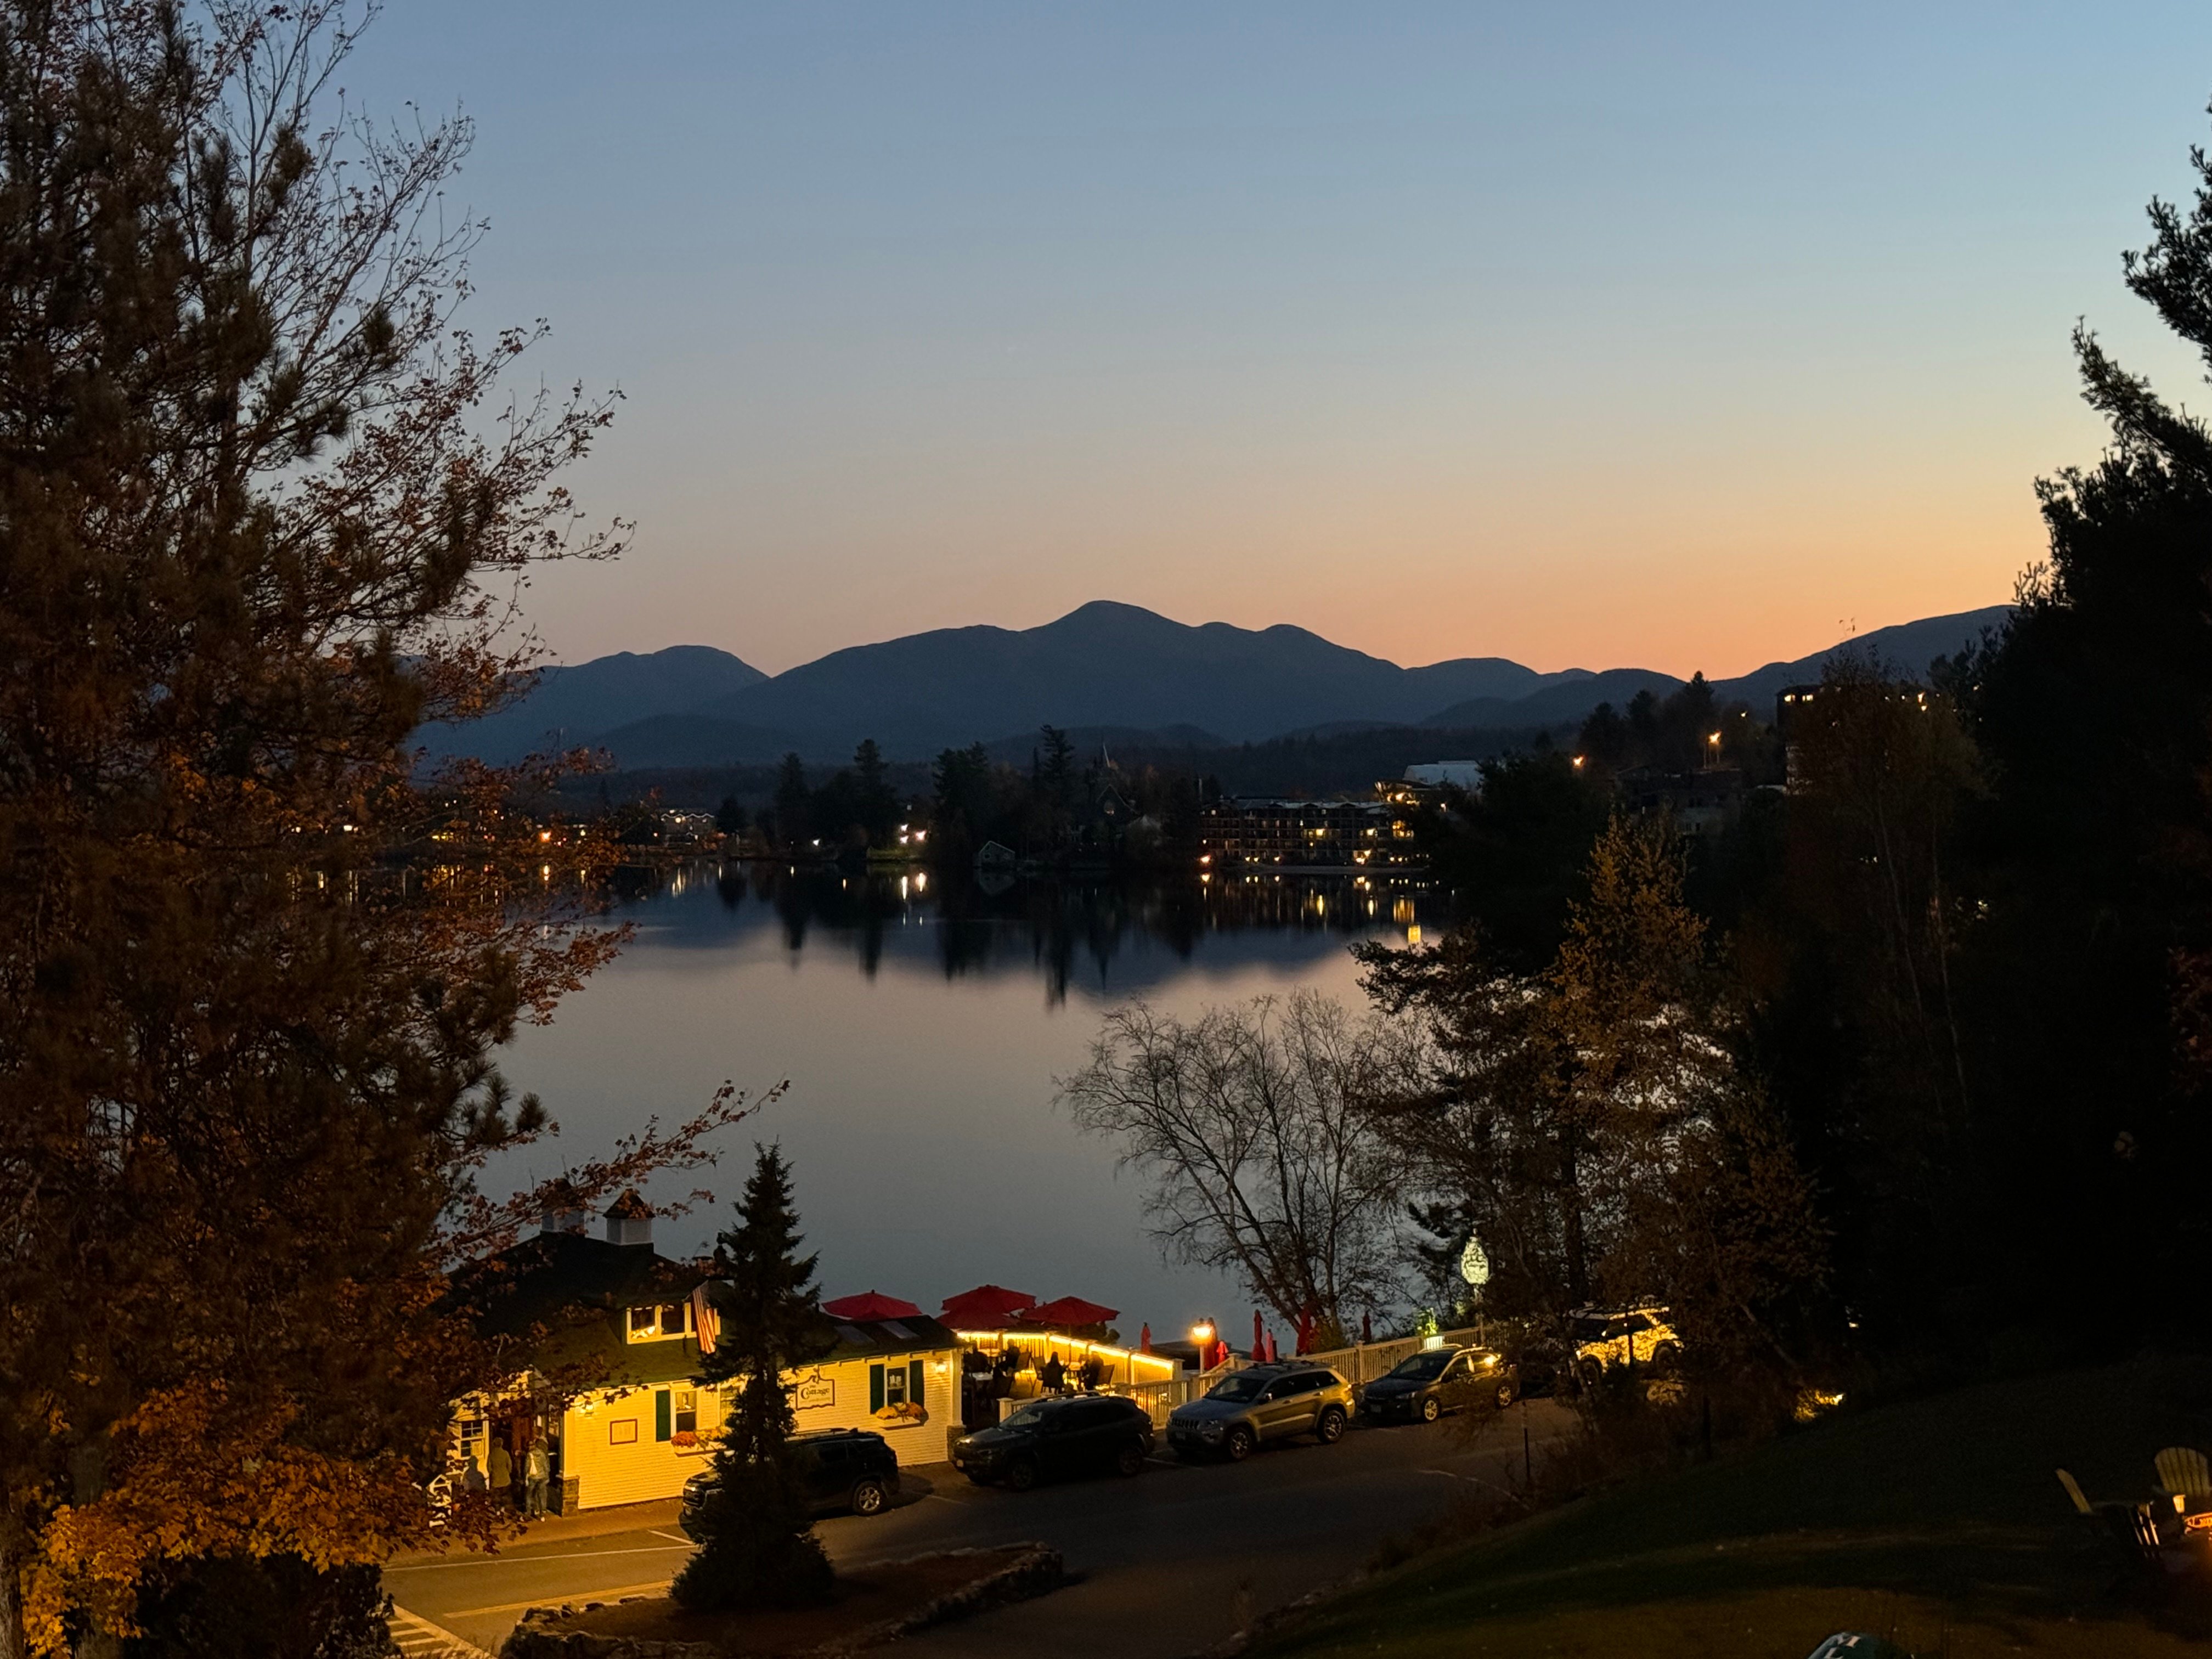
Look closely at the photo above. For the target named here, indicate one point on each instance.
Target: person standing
(502, 1474)
(537, 1472)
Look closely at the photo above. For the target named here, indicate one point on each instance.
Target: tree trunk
(1570, 1197)
(11, 1612)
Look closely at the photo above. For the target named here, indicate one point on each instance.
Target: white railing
(1358, 1364)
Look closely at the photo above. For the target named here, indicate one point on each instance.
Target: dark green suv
(1078, 1434)
(838, 1469)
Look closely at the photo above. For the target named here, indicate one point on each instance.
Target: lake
(922, 1035)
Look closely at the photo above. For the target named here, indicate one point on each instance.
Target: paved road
(1165, 1563)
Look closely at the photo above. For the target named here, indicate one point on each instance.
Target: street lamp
(1202, 1335)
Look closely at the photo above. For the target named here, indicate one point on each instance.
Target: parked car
(1074, 1434)
(1439, 1380)
(1259, 1404)
(1641, 1336)
(839, 1469)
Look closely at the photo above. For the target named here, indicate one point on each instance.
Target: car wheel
(1022, 1474)
(1240, 1445)
(1130, 1459)
(869, 1497)
(1330, 1429)
(1591, 1373)
(1505, 1393)
(1666, 1359)
(1431, 1409)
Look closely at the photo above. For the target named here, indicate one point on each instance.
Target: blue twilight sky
(1686, 336)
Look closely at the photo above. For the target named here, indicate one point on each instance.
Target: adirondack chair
(2132, 1527)
(2184, 1476)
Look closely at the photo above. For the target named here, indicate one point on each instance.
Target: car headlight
(1210, 1430)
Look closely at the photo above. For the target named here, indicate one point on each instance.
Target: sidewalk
(558, 1529)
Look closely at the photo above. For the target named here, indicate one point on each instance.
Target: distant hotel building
(1290, 835)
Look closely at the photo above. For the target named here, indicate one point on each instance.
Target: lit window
(687, 1411)
(655, 1324)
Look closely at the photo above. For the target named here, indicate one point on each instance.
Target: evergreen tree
(875, 804)
(731, 816)
(794, 802)
(2090, 977)
(758, 1547)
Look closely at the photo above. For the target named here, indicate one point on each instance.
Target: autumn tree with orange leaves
(264, 510)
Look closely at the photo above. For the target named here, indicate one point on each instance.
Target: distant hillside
(1114, 674)
(1907, 648)
(572, 706)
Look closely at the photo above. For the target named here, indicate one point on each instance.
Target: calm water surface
(922, 1039)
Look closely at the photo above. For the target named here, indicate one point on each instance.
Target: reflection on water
(1108, 936)
(907, 1016)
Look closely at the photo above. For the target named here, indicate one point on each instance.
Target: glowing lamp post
(1202, 1335)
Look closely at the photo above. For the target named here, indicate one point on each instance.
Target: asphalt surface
(1163, 1566)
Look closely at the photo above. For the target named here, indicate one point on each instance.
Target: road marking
(675, 1538)
(528, 1560)
(418, 1639)
(573, 1598)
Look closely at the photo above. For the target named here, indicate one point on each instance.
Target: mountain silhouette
(1103, 666)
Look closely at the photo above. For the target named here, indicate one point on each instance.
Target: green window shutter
(875, 1388)
(661, 1418)
(914, 1381)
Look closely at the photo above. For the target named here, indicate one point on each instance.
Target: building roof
(564, 1295)
(630, 1207)
(877, 1339)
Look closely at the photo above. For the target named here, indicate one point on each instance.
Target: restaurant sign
(813, 1391)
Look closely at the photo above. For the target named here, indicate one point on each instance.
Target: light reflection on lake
(922, 1031)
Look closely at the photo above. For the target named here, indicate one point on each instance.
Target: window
(655, 1324)
(687, 1411)
(896, 1387)
(622, 1431)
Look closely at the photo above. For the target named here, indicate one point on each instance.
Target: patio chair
(2132, 1528)
(2183, 1473)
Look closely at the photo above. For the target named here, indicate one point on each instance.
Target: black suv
(1439, 1380)
(838, 1469)
(1076, 1434)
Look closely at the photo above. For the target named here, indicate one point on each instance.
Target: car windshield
(1237, 1388)
(1423, 1367)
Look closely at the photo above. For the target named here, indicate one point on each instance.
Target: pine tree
(794, 801)
(758, 1547)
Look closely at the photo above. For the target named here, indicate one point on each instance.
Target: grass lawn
(1937, 1522)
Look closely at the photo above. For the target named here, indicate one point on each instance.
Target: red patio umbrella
(870, 1304)
(1259, 1337)
(987, 1307)
(1366, 1328)
(1145, 1338)
(1071, 1310)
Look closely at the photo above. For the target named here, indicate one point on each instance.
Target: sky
(1689, 336)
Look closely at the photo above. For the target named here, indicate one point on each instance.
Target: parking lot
(1164, 1563)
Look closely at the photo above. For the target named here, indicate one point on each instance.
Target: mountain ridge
(1102, 666)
